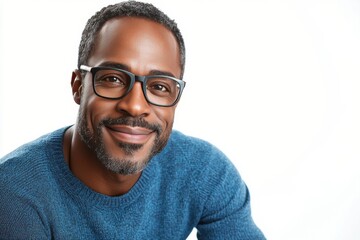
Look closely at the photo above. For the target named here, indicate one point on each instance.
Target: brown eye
(161, 86)
(107, 78)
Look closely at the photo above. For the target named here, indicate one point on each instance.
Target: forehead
(139, 43)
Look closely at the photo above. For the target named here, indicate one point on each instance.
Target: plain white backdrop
(274, 84)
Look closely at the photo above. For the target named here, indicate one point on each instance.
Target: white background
(274, 84)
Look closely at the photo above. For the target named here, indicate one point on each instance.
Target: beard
(121, 165)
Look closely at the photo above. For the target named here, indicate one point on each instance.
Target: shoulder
(222, 195)
(193, 147)
(29, 161)
(197, 151)
(33, 148)
(207, 165)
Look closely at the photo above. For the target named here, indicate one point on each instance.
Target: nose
(134, 103)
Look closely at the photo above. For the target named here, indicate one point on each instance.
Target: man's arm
(18, 218)
(227, 213)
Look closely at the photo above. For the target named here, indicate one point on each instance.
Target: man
(121, 172)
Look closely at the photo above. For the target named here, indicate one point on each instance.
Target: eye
(161, 86)
(111, 79)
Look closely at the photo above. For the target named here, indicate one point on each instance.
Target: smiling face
(124, 134)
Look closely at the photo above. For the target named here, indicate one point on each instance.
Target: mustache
(132, 122)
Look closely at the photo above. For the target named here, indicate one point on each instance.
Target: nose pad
(134, 103)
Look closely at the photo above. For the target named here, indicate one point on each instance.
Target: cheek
(166, 116)
(93, 108)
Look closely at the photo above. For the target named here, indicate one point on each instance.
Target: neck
(88, 169)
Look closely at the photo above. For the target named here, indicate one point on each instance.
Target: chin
(127, 159)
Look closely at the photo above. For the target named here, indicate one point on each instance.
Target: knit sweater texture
(189, 184)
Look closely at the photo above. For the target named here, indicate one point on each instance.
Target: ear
(76, 85)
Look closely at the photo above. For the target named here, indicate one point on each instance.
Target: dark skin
(143, 47)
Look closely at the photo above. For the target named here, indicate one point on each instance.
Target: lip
(127, 134)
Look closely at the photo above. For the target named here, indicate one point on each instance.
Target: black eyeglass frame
(133, 79)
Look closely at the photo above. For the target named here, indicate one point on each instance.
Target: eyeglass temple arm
(86, 68)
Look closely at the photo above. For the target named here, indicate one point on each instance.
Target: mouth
(130, 135)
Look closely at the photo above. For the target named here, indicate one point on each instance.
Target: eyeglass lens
(115, 84)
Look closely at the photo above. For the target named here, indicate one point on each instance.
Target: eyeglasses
(115, 83)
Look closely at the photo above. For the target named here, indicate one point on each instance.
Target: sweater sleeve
(18, 219)
(227, 213)
(19, 215)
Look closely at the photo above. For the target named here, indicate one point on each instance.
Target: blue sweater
(189, 184)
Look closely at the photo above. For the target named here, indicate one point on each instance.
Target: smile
(127, 134)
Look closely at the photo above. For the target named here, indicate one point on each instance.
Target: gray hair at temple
(126, 9)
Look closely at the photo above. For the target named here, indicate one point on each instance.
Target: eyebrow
(127, 68)
(114, 65)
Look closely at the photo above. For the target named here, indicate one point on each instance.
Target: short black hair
(126, 9)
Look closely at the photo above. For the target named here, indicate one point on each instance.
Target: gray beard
(123, 166)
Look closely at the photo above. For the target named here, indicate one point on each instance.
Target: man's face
(124, 134)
